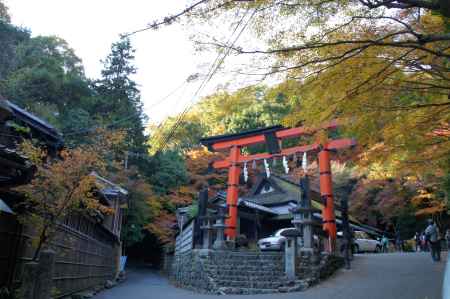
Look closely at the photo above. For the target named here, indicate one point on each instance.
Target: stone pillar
(347, 242)
(290, 257)
(199, 234)
(305, 202)
(290, 252)
(207, 233)
(117, 258)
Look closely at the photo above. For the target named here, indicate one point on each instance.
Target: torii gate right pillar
(326, 192)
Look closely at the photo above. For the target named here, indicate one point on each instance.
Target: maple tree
(163, 205)
(63, 185)
(381, 66)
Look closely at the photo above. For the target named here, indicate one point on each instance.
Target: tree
(4, 14)
(118, 103)
(222, 113)
(379, 202)
(381, 66)
(11, 37)
(307, 35)
(139, 212)
(60, 187)
(184, 194)
(171, 171)
(186, 136)
(47, 79)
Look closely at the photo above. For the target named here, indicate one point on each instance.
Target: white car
(363, 243)
(274, 242)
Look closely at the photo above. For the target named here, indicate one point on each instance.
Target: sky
(164, 58)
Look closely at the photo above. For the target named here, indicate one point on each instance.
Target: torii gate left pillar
(233, 192)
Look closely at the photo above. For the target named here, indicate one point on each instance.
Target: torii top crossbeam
(272, 137)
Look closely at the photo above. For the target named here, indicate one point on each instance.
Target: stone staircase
(234, 272)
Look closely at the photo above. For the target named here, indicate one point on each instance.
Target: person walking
(417, 240)
(398, 242)
(423, 241)
(432, 233)
(447, 238)
(384, 244)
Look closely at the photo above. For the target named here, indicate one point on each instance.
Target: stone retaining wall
(188, 271)
(245, 272)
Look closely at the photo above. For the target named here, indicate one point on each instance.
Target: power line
(167, 96)
(166, 20)
(214, 68)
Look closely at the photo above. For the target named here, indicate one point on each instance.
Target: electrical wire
(213, 70)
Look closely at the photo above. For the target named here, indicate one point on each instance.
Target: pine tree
(119, 98)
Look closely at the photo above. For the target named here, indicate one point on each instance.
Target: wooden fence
(185, 239)
(86, 255)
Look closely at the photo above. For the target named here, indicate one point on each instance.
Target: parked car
(363, 243)
(274, 242)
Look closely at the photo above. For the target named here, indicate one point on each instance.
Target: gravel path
(373, 276)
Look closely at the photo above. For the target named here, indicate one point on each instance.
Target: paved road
(373, 276)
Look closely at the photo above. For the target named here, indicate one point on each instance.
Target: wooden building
(266, 207)
(87, 247)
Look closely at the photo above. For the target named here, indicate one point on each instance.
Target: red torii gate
(272, 137)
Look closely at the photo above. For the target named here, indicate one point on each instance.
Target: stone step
(246, 291)
(248, 258)
(265, 260)
(249, 291)
(247, 254)
(245, 265)
(252, 284)
(221, 272)
(239, 268)
(246, 272)
(249, 279)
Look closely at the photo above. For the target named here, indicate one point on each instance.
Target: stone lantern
(220, 226)
(303, 216)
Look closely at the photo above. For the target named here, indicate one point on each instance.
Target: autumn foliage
(62, 185)
(199, 176)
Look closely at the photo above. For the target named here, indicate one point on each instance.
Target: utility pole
(346, 232)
